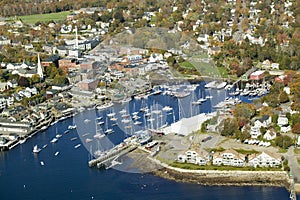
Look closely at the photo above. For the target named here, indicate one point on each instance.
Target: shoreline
(223, 178)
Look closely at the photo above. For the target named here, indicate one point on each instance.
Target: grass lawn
(212, 167)
(32, 19)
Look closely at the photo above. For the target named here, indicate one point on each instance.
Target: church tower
(39, 68)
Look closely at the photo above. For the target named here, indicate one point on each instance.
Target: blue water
(67, 176)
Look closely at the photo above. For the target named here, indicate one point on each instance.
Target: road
(293, 164)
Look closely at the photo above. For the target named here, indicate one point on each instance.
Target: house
(282, 120)
(3, 87)
(270, 135)
(264, 121)
(255, 132)
(258, 75)
(195, 156)
(264, 159)
(229, 157)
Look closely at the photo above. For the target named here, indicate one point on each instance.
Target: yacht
(66, 131)
(58, 135)
(74, 138)
(88, 140)
(36, 149)
(54, 140)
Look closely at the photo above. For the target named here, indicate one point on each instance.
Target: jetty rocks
(236, 178)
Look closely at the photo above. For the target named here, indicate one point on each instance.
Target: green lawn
(32, 19)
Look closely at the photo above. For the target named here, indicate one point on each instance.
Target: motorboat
(77, 146)
(56, 153)
(54, 140)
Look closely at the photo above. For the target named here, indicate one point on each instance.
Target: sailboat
(36, 149)
(108, 130)
(98, 135)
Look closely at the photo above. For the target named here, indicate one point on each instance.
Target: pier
(109, 159)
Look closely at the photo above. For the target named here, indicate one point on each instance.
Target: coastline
(224, 177)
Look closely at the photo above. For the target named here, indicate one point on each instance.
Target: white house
(255, 132)
(264, 159)
(282, 120)
(195, 156)
(264, 121)
(270, 135)
(229, 157)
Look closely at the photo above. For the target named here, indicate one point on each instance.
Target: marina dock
(107, 160)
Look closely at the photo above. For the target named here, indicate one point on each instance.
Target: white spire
(76, 40)
(39, 68)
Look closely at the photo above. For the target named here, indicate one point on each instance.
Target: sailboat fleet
(151, 118)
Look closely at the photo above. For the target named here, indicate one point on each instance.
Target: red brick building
(67, 64)
(88, 84)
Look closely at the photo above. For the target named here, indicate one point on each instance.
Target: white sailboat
(36, 149)
(108, 130)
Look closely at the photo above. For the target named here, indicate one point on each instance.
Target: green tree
(283, 141)
(244, 110)
(35, 79)
(60, 80)
(283, 97)
(230, 126)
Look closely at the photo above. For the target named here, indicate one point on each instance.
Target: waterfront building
(264, 159)
(229, 157)
(195, 156)
(257, 75)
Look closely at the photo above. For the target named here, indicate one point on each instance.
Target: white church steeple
(39, 68)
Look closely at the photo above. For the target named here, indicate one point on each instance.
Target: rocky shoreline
(230, 178)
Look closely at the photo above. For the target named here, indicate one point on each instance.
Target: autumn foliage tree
(296, 128)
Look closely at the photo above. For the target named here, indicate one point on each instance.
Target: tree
(60, 80)
(35, 79)
(283, 97)
(23, 82)
(283, 141)
(244, 110)
(296, 128)
(230, 126)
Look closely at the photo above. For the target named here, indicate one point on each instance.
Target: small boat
(99, 136)
(74, 138)
(58, 135)
(42, 163)
(70, 127)
(137, 123)
(22, 141)
(87, 140)
(56, 153)
(36, 149)
(54, 140)
(167, 108)
(77, 146)
(86, 121)
(45, 146)
(113, 119)
(86, 134)
(108, 131)
(100, 123)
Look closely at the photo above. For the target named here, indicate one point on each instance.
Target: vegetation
(221, 168)
(33, 19)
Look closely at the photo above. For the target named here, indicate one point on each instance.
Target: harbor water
(66, 175)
